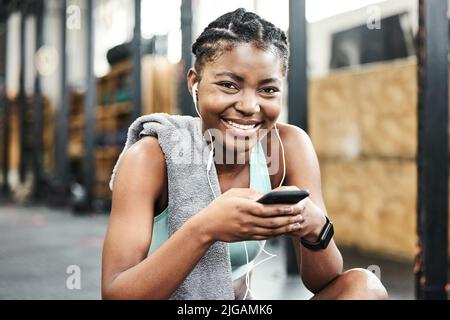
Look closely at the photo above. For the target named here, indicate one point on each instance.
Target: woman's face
(240, 95)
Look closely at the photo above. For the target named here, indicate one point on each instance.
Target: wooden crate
(363, 124)
(373, 204)
(369, 112)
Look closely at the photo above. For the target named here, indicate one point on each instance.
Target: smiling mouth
(241, 129)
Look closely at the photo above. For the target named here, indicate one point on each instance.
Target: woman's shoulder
(292, 138)
(141, 173)
(143, 163)
(292, 134)
(295, 140)
(145, 151)
(302, 163)
(298, 148)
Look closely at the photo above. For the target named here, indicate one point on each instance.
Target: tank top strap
(259, 173)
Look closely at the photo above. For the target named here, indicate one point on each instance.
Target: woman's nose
(248, 104)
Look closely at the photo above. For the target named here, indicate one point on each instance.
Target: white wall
(76, 45)
(12, 55)
(30, 45)
(114, 25)
(52, 39)
(320, 32)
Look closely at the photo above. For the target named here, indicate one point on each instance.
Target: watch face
(326, 232)
(327, 235)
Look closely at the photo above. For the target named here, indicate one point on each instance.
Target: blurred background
(364, 79)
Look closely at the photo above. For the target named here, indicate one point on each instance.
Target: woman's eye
(270, 90)
(227, 85)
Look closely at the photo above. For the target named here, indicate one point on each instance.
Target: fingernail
(296, 226)
(299, 218)
(288, 210)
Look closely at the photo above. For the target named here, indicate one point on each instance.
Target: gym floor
(39, 244)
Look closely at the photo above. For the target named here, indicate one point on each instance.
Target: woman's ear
(192, 78)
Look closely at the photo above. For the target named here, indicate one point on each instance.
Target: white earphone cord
(208, 169)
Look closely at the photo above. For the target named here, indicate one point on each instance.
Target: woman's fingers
(273, 210)
(259, 233)
(277, 222)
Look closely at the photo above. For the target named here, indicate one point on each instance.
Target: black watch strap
(324, 238)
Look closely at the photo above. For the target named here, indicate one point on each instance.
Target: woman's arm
(127, 272)
(317, 268)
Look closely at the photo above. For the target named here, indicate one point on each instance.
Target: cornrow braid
(236, 27)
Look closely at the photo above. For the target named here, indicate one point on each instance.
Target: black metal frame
(61, 180)
(4, 105)
(137, 64)
(89, 108)
(185, 105)
(21, 99)
(432, 204)
(38, 171)
(297, 89)
(297, 78)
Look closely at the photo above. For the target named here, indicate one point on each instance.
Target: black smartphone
(283, 196)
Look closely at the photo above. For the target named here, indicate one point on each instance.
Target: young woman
(237, 82)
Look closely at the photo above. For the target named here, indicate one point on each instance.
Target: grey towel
(186, 154)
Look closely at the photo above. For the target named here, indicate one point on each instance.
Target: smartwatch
(324, 238)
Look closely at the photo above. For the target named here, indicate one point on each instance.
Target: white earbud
(194, 97)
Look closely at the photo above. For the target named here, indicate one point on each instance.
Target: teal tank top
(259, 181)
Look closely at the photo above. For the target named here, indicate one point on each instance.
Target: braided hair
(235, 28)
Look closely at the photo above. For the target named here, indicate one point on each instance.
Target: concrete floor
(38, 245)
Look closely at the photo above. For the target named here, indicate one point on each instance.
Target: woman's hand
(236, 216)
(312, 218)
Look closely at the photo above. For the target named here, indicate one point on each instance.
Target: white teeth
(241, 126)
